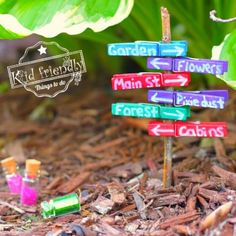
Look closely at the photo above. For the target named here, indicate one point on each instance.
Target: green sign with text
(145, 110)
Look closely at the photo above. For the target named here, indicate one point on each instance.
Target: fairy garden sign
(171, 108)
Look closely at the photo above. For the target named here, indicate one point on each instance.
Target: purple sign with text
(216, 67)
(205, 66)
(209, 98)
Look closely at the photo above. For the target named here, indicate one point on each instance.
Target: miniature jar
(30, 183)
(13, 177)
(60, 206)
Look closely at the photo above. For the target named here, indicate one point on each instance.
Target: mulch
(116, 168)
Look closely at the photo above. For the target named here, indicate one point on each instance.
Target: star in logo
(42, 50)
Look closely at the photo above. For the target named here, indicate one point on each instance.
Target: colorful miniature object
(206, 66)
(175, 105)
(60, 206)
(188, 129)
(30, 184)
(147, 110)
(149, 80)
(206, 98)
(13, 177)
(146, 48)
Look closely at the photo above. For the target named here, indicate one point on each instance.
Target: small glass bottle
(30, 183)
(60, 206)
(13, 177)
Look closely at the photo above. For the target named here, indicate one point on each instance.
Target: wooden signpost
(169, 56)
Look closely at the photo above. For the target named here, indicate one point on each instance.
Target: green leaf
(227, 51)
(4, 87)
(50, 18)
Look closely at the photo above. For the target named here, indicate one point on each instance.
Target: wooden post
(165, 19)
(168, 141)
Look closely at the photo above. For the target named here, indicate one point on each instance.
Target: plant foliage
(49, 18)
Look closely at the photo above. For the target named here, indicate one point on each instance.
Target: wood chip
(191, 203)
(221, 155)
(117, 192)
(15, 208)
(216, 216)
(127, 208)
(55, 183)
(9, 196)
(143, 182)
(102, 205)
(140, 205)
(184, 230)
(137, 123)
(110, 230)
(211, 195)
(132, 227)
(170, 200)
(203, 202)
(73, 183)
(227, 176)
(101, 164)
(180, 219)
(104, 146)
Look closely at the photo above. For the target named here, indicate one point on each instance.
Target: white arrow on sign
(156, 63)
(155, 98)
(180, 79)
(156, 130)
(176, 49)
(179, 114)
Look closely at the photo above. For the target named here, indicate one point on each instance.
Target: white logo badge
(45, 75)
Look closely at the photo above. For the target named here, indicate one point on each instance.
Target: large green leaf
(227, 51)
(19, 18)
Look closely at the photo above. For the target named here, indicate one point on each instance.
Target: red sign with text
(188, 129)
(149, 80)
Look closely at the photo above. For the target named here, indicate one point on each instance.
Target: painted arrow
(180, 79)
(178, 115)
(162, 129)
(174, 113)
(159, 63)
(177, 51)
(173, 49)
(160, 96)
